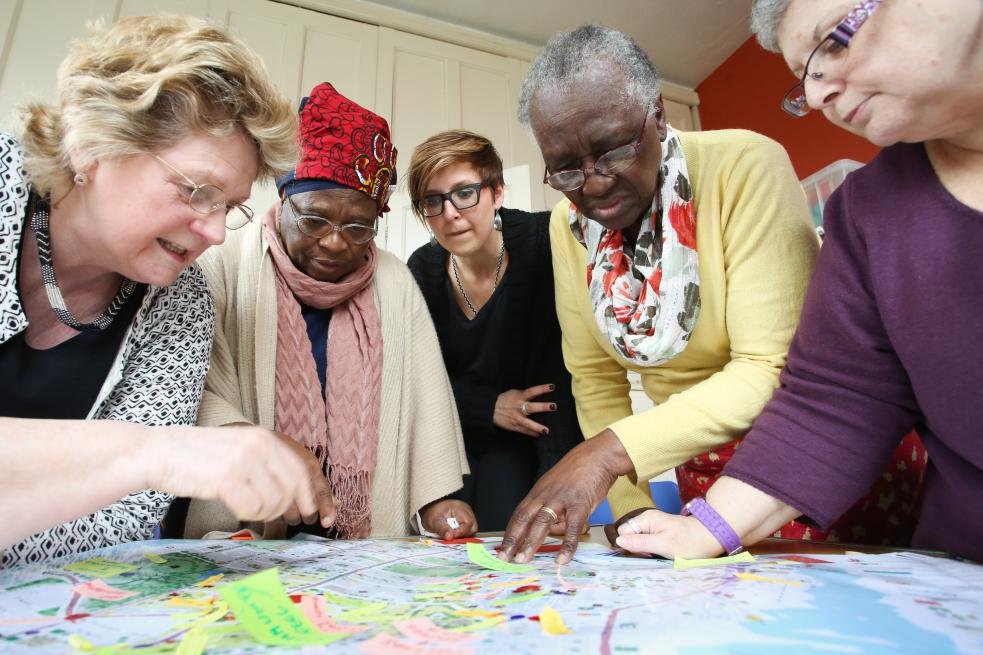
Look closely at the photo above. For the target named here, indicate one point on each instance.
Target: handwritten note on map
(264, 609)
(315, 608)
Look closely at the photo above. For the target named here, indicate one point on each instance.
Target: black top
(61, 382)
(513, 343)
(472, 347)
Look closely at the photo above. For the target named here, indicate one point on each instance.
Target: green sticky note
(480, 555)
(519, 598)
(344, 600)
(98, 567)
(741, 558)
(263, 608)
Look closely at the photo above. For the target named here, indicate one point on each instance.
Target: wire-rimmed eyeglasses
(319, 227)
(834, 43)
(207, 198)
(610, 163)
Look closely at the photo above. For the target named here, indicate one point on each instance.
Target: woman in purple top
(891, 330)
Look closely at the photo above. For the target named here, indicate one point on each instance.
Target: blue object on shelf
(664, 493)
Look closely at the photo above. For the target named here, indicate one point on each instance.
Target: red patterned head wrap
(343, 144)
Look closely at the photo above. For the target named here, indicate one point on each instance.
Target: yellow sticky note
(363, 613)
(201, 604)
(98, 567)
(520, 583)
(480, 555)
(202, 619)
(751, 576)
(263, 608)
(552, 623)
(480, 613)
(193, 642)
(345, 601)
(741, 558)
(210, 581)
(155, 558)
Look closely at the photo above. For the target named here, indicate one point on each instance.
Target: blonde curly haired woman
(160, 128)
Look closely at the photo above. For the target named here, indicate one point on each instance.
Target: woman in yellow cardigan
(682, 257)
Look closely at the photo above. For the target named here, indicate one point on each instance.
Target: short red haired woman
(107, 197)
(322, 336)
(487, 278)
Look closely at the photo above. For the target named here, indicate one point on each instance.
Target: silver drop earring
(80, 179)
(497, 223)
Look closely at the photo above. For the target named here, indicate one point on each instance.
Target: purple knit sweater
(891, 337)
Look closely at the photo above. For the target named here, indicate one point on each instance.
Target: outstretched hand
(260, 475)
(565, 496)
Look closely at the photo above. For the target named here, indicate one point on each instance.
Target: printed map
(383, 596)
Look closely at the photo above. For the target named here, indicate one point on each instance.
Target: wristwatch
(715, 523)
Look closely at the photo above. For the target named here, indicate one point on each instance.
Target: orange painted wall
(746, 91)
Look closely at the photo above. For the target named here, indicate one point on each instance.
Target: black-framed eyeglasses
(463, 197)
(207, 198)
(834, 43)
(610, 163)
(319, 227)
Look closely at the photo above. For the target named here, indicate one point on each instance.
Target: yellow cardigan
(757, 248)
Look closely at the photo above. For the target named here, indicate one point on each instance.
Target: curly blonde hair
(142, 85)
(445, 149)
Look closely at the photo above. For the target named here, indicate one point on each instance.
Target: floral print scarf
(646, 303)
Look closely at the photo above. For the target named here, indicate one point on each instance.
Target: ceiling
(687, 39)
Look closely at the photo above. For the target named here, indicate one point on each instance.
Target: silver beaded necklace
(39, 223)
(457, 276)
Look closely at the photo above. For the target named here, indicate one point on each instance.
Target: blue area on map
(853, 619)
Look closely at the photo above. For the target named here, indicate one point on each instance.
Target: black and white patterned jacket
(156, 379)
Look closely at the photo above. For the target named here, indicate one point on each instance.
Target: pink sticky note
(423, 629)
(315, 608)
(383, 644)
(101, 591)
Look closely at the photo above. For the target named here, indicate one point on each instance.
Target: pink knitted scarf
(341, 428)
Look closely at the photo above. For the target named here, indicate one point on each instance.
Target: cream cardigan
(421, 452)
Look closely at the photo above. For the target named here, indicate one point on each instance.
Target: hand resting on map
(434, 517)
(751, 513)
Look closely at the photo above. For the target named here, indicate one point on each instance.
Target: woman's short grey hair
(766, 18)
(568, 55)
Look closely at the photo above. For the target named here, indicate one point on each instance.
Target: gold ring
(524, 409)
(551, 513)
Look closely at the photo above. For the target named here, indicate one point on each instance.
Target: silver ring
(549, 512)
(524, 409)
(634, 526)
